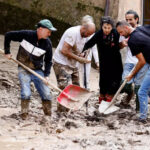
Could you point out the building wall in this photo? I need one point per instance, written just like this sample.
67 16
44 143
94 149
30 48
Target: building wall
125 5
68 11
24 14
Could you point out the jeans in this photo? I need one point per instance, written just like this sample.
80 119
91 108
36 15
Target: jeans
138 78
26 78
143 94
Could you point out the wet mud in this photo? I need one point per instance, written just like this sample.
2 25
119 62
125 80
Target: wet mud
76 130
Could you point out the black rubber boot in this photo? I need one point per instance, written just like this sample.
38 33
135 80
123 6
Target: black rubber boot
47 105
137 99
128 88
24 109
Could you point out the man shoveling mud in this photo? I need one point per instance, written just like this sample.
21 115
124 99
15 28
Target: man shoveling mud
139 43
34 50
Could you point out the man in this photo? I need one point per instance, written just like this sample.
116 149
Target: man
133 19
67 53
85 68
34 50
138 41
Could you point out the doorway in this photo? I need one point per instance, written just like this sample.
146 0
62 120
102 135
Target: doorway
146 12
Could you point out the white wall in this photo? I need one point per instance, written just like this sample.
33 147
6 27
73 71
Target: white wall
125 5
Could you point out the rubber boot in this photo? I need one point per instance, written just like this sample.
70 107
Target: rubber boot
108 98
47 104
24 109
61 108
101 98
137 99
129 90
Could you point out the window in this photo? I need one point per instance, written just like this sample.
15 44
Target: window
146 12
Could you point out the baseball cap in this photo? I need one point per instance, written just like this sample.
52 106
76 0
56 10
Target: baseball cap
45 23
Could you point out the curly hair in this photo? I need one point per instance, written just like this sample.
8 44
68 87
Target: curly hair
108 20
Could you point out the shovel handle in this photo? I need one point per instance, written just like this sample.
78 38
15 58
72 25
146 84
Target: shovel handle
119 90
40 77
33 72
115 96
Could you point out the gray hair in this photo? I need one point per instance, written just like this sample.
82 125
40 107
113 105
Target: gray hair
122 23
86 20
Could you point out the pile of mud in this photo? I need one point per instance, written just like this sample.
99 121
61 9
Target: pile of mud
62 131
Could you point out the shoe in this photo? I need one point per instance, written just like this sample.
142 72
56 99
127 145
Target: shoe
108 98
61 108
24 109
144 121
124 105
101 98
46 105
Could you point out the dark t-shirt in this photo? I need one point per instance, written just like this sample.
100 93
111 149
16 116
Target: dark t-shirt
109 53
139 42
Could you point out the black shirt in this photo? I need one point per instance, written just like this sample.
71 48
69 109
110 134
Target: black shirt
109 53
139 42
31 37
108 47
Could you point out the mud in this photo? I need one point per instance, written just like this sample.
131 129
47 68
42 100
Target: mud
75 131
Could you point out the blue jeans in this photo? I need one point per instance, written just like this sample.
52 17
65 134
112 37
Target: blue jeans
143 94
138 78
26 78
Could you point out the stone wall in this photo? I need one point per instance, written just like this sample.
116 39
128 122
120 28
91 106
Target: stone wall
68 11
24 14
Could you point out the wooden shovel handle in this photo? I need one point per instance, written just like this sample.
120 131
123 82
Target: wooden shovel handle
117 93
40 77
33 72
119 90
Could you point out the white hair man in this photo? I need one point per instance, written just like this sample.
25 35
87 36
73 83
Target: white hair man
67 53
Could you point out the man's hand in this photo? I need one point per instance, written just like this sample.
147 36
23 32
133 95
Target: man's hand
85 53
83 60
97 65
125 42
8 56
46 80
129 77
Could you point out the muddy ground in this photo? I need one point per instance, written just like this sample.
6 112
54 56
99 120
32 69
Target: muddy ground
78 131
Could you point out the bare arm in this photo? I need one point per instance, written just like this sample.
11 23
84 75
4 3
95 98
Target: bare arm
139 65
66 50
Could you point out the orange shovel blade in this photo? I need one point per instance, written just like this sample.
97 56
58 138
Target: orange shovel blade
76 92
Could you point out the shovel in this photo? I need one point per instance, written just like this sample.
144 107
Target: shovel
110 107
71 97
85 85
107 108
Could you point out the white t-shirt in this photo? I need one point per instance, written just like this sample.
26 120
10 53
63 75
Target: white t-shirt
73 37
129 57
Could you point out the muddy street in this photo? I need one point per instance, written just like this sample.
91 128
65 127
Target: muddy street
76 131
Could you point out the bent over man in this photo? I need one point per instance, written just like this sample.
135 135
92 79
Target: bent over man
138 41
67 53
133 19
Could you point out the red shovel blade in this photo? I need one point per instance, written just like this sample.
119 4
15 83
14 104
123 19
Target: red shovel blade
76 92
